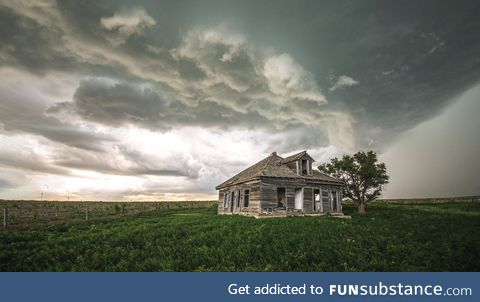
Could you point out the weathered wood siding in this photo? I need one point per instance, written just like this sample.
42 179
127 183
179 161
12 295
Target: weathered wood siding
325 200
221 195
307 199
290 197
263 195
268 196
269 193
254 204
254 198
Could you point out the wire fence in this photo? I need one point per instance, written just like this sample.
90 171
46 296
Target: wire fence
461 199
28 214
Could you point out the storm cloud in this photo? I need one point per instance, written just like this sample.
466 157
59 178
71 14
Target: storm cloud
175 97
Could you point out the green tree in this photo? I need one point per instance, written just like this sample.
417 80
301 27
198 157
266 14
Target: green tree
363 176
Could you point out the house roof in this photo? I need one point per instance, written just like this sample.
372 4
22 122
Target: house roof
296 156
275 166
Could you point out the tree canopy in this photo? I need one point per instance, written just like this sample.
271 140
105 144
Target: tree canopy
363 176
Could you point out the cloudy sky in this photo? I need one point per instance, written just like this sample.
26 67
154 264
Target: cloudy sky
163 100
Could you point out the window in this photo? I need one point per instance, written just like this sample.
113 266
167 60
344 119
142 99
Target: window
304 167
225 200
237 198
317 206
246 198
281 197
334 200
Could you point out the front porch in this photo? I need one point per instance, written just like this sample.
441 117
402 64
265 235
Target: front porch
278 214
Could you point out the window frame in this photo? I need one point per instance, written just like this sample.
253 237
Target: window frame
225 200
246 198
304 167
237 199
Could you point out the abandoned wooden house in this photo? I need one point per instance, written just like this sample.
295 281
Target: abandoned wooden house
281 186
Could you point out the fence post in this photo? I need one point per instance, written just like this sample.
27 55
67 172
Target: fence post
86 213
123 208
5 218
156 206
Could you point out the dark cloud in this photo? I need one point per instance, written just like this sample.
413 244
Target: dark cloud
116 104
122 103
309 74
20 114
26 44
410 59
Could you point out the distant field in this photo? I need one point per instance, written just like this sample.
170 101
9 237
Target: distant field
390 237
431 200
23 214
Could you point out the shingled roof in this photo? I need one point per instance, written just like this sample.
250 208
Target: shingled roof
275 166
296 157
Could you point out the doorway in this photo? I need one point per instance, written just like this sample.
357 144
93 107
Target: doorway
334 201
281 198
299 199
232 202
317 202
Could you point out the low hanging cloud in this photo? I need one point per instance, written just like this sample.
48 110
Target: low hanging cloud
24 111
237 85
248 79
243 87
126 23
29 162
126 161
158 104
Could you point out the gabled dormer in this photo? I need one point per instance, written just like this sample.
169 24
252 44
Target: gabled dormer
301 163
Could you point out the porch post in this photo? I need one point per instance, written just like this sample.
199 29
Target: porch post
339 200
330 199
321 200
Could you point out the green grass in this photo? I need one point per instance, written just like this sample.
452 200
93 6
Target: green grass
390 237
25 214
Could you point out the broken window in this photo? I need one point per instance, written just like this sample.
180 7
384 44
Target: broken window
304 167
237 198
281 197
246 198
225 200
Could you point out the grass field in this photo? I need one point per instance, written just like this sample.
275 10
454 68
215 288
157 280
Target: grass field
26 214
390 237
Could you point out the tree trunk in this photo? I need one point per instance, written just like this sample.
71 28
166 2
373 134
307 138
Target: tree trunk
361 208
